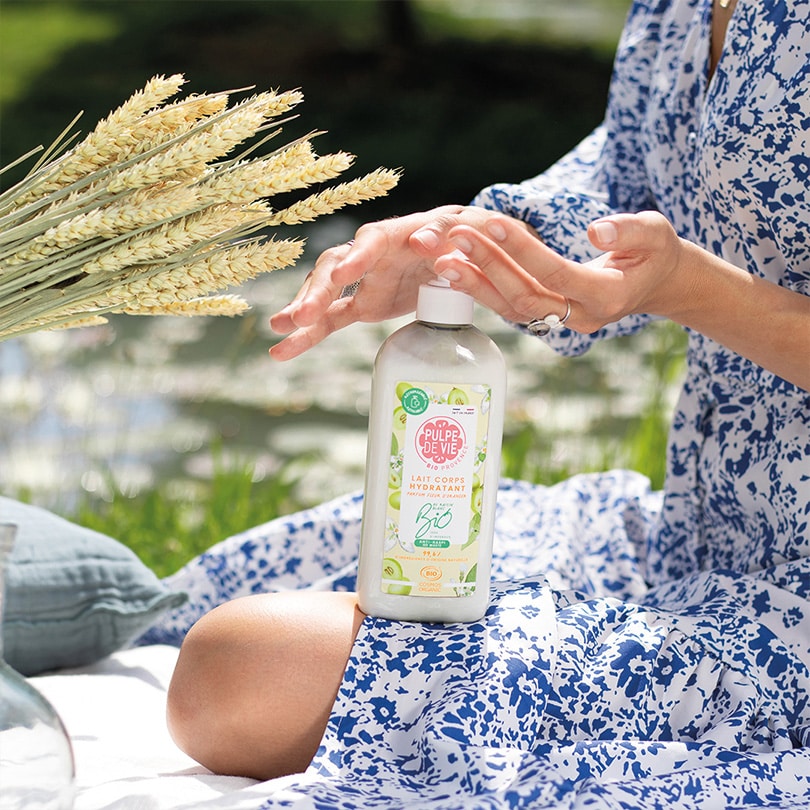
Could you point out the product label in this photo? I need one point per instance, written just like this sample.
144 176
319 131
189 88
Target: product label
435 488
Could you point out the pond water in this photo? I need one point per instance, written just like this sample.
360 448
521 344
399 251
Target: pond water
142 402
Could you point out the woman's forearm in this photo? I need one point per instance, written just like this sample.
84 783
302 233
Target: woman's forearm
756 318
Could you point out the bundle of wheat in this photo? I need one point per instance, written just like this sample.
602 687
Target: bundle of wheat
150 215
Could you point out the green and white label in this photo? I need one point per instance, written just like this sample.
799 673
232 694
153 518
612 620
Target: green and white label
438 454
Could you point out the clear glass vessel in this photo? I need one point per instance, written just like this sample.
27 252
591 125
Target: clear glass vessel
37 770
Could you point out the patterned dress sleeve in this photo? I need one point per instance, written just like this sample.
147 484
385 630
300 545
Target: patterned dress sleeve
604 174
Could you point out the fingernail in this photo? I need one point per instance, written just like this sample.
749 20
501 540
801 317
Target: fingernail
496 230
427 238
450 275
463 244
606 232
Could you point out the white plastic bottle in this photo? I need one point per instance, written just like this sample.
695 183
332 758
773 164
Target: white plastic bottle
432 467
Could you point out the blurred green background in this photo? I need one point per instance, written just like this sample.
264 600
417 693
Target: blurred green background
171 434
460 93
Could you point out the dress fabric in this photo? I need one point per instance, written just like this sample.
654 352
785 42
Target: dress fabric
728 163
642 649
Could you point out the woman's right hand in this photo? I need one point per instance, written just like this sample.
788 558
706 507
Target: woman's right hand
389 259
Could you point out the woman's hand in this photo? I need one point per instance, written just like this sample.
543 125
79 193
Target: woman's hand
646 268
512 272
389 259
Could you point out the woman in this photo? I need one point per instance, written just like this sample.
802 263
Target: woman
669 665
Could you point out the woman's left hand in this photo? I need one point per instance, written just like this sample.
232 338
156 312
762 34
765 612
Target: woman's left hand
512 272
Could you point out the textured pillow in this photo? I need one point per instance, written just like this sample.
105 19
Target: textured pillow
72 595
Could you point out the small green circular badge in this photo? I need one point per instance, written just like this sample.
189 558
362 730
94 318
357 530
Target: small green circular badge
415 401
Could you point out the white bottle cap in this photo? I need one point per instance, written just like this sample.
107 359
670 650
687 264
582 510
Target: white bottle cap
438 302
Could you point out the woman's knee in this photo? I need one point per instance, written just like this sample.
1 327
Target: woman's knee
256 679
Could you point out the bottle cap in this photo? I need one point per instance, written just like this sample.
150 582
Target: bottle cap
438 302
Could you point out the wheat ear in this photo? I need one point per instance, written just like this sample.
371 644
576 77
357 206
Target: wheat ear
373 184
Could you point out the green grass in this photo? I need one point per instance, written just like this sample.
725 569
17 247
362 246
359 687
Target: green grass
166 526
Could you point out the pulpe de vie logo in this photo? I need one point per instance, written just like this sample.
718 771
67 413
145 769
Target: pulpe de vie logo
440 440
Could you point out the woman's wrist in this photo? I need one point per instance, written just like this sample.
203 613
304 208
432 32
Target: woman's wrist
687 297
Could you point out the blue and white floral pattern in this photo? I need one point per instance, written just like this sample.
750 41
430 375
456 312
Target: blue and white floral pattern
728 163
642 650
581 688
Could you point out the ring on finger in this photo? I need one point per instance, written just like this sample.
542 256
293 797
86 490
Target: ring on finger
350 289
542 326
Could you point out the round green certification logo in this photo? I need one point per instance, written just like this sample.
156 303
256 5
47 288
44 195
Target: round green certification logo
415 401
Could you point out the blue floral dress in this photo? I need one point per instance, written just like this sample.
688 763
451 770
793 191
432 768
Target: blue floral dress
642 649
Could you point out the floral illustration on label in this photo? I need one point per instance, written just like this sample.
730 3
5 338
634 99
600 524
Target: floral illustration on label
438 454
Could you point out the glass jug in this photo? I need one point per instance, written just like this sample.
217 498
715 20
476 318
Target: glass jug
36 759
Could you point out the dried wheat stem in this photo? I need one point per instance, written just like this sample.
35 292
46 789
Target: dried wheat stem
319 170
228 305
244 181
266 178
137 210
274 104
67 321
143 216
374 184
172 120
170 238
90 320
105 141
212 273
193 152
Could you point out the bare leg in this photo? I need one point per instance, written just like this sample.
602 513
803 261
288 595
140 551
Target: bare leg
256 680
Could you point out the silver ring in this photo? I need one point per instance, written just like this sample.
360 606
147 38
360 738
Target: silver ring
542 326
350 289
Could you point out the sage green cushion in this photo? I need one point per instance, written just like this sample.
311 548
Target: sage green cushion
73 595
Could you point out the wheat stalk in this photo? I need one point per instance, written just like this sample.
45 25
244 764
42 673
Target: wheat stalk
142 208
227 305
111 136
151 214
332 199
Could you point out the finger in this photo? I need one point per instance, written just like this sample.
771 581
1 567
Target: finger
282 322
304 338
641 265
558 278
465 276
431 238
527 250
319 290
535 302
514 271
619 232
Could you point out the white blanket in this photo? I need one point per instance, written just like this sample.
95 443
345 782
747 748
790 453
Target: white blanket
114 712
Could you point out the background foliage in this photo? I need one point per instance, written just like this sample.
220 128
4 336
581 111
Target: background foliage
457 103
